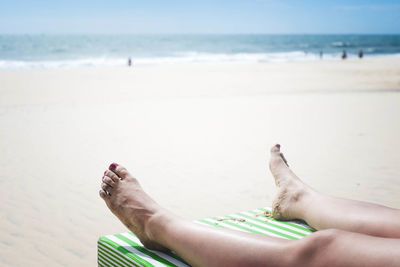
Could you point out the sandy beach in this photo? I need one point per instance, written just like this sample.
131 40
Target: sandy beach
196 136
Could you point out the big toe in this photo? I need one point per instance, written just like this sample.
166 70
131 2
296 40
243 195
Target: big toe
277 159
119 170
276 149
276 154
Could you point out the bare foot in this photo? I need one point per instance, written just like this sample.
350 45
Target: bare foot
291 190
126 199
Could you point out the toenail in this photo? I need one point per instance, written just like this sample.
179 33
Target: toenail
278 145
113 166
105 172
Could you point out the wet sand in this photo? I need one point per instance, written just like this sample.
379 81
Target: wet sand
197 137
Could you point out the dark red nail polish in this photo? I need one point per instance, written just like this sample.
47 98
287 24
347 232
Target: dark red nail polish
105 172
113 166
278 145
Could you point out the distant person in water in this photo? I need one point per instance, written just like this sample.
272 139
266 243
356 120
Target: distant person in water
344 54
360 54
350 233
321 54
129 62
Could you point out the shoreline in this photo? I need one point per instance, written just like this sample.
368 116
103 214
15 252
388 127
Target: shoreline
71 64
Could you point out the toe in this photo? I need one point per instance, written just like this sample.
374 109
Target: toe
106 187
276 154
108 181
103 194
112 175
276 149
277 159
119 170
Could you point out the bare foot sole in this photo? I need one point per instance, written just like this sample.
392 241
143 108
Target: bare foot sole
290 188
126 199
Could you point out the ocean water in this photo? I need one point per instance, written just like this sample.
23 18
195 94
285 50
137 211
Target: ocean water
66 51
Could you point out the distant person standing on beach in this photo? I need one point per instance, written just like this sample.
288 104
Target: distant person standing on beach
344 55
360 54
129 62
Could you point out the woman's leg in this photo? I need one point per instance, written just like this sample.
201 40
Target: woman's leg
297 200
199 245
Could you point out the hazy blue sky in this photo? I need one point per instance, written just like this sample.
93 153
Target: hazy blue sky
202 16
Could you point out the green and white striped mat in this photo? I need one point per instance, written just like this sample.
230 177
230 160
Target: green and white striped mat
125 249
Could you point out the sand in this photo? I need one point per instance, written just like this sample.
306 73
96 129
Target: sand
197 137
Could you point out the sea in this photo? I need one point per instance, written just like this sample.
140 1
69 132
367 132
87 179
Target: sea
69 51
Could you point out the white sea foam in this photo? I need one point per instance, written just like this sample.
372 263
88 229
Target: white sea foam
55 64
179 58
189 57
338 44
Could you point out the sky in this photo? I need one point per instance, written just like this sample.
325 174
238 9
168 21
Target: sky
202 16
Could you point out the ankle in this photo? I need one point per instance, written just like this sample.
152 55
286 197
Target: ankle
156 225
305 198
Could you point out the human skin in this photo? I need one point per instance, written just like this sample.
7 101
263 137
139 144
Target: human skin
352 239
296 200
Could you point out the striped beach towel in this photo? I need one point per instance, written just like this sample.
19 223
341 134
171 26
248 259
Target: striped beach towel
125 249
